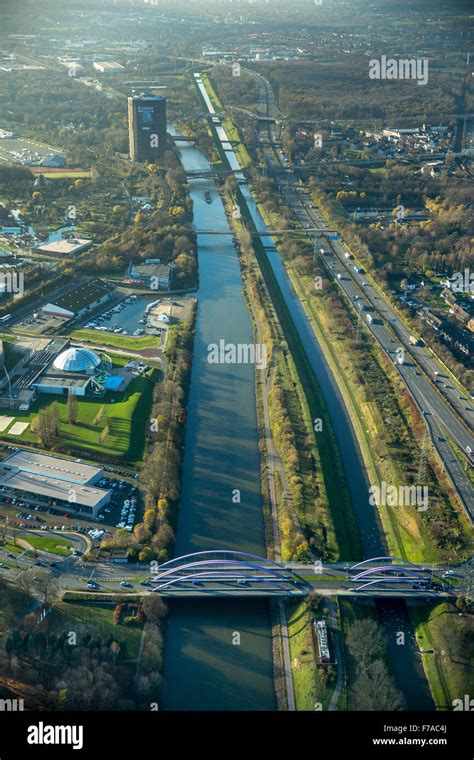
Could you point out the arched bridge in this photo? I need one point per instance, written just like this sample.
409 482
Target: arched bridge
234 573
226 573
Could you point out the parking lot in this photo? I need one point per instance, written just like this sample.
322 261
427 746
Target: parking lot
128 317
122 511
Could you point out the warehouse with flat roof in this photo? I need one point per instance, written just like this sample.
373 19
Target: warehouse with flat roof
55 481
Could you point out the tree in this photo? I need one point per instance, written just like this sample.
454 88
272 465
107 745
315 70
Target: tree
25 582
366 642
104 434
99 415
313 600
71 408
115 649
154 608
54 418
375 689
47 587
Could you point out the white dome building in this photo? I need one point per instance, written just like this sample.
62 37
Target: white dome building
76 359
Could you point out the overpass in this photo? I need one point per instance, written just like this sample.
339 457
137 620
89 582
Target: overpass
213 173
266 233
226 573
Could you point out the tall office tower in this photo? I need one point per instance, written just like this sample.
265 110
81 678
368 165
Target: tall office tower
146 126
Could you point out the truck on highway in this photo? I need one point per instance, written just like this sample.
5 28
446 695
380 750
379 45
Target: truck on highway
370 319
339 276
357 269
415 341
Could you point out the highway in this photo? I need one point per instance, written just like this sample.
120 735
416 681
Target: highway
285 579
445 409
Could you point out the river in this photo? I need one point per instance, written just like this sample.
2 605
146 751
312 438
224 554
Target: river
205 666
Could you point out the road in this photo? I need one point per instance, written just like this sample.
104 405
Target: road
297 579
446 410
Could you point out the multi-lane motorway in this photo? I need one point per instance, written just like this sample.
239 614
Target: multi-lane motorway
447 411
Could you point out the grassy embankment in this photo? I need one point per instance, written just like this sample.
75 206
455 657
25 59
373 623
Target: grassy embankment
135 343
342 515
449 663
309 682
303 509
383 422
407 534
231 130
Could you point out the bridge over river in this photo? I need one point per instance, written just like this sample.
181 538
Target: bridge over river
238 574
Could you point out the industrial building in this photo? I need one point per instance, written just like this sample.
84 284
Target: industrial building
54 481
108 67
147 127
79 302
152 274
60 248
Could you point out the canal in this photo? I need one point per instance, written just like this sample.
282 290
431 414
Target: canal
405 659
218 653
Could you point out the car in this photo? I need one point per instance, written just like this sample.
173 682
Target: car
12 556
126 584
196 583
145 583
2 564
93 585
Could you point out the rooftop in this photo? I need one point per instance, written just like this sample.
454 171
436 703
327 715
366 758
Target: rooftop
44 464
65 247
78 299
52 488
